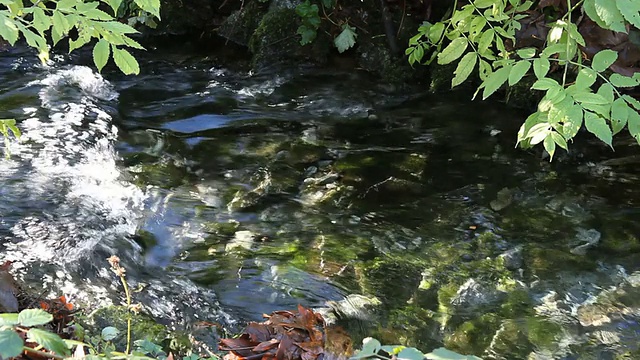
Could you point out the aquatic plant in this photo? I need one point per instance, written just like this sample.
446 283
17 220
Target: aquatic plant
487 35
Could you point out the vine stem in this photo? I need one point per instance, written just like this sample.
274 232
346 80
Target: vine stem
128 296
572 9
566 65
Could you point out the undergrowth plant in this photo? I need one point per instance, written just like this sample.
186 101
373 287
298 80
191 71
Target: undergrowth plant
309 14
27 332
582 94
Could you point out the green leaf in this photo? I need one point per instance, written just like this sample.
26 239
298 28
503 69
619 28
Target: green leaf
307 33
8 319
603 59
518 71
526 53
544 84
586 78
118 27
539 132
572 122
623 81
453 51
589 7
370 347
444 354
549 145
435 32
10 344
598 127
589 98
101 53
109 333
634 125
115 5
83 38
464 69
495 81
559 140
66 5
630 9
150 6
49 341
60 23
575 34
619 115
346 39
8 29
631 101
410 354
125 61
541 67
97 14
606 91
609 13
483 4
41 22
485 40
34 317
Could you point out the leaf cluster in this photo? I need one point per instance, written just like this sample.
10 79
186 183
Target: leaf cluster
476 34
50 21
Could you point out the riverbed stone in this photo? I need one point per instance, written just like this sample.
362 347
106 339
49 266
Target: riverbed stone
473 336
512 259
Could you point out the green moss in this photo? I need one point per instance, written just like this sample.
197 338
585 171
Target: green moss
541 332
517 304
546 263
473 337
445 295
392 280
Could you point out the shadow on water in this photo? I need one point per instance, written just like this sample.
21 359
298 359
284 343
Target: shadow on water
230 194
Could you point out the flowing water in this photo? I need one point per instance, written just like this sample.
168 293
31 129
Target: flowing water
229 194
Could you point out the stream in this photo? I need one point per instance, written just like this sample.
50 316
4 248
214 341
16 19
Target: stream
228 194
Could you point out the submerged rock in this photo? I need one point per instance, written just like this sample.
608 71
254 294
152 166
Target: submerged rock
473 294
588 238
243 239
512 259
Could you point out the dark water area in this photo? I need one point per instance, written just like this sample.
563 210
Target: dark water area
228 194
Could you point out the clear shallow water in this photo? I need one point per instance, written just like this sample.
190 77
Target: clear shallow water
333 186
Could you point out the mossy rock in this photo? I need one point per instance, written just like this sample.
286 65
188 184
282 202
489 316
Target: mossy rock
276 40
376 57
165 174
145 239
517 303
226 229
474 336
392 280
240 25
142 326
